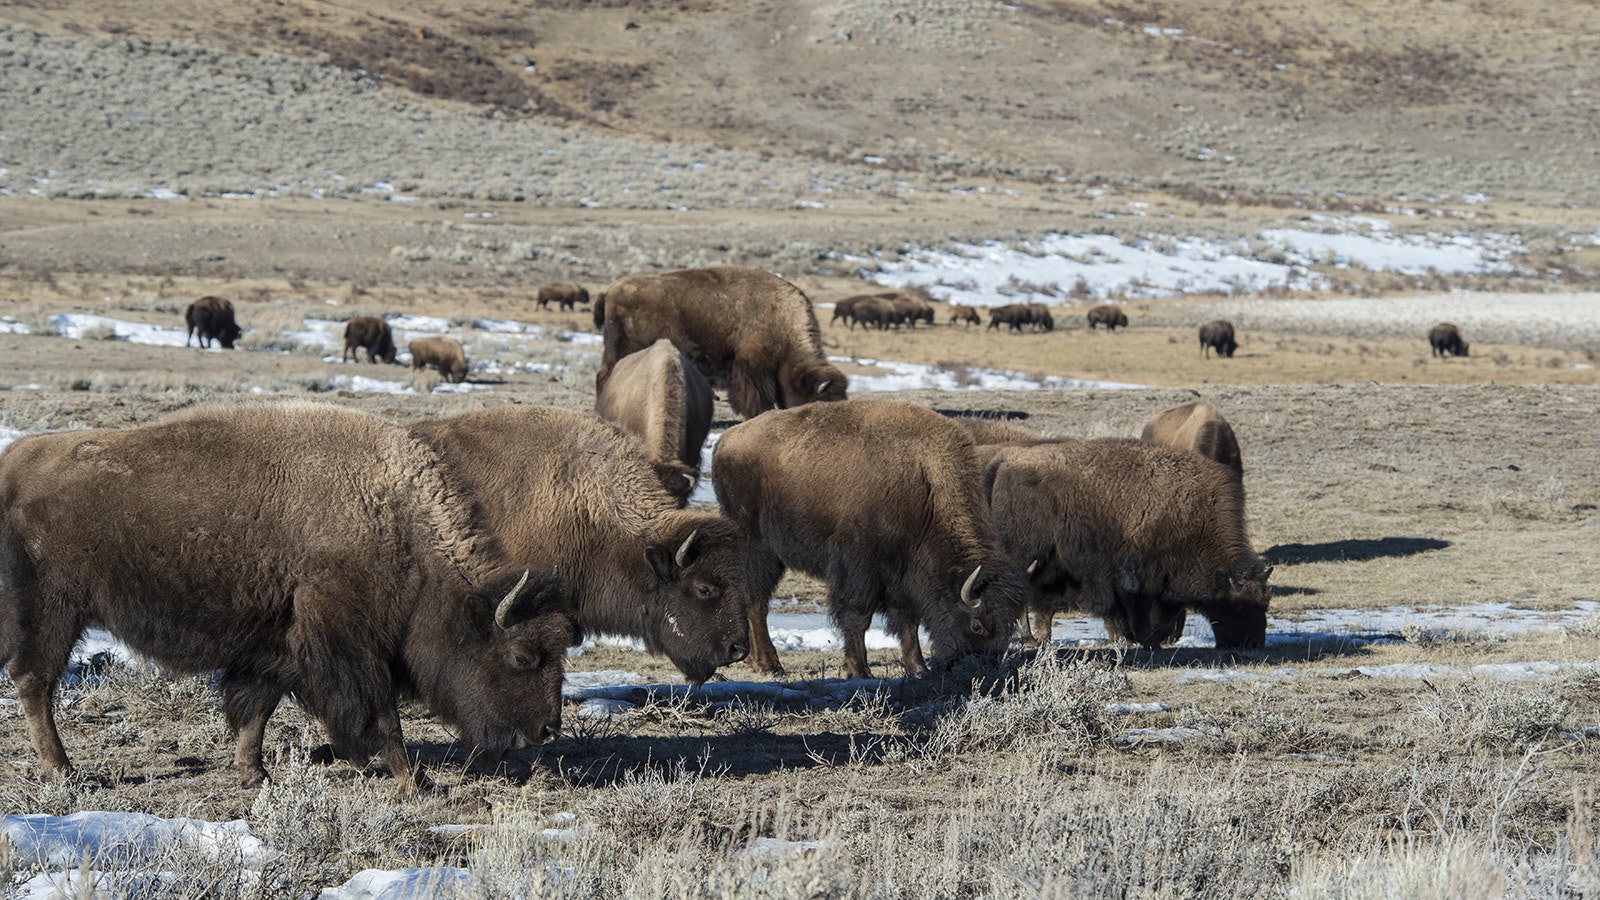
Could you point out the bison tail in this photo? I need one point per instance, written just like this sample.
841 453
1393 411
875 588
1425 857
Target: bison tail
600 311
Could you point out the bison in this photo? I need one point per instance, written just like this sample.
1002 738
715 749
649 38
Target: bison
566 491
565 294
1445 339
1039 316
843 306
1108 314
966 315
444 354
1017 315
212 317
659 397
990 436
880 499
368 333
744 325
1197 427
879 312
1132 532
910 307
323 553
1217 334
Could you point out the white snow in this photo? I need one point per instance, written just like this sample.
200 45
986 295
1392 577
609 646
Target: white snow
75 325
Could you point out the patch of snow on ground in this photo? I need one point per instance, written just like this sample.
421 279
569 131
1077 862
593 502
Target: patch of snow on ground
363 384
126 837
905 376
75 325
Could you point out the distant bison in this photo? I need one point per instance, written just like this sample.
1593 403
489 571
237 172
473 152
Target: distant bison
911 308
368 333
565 294
1198 427
843 306
966 315
1445 339
565 491
881 500
1217 335
658 396
1108 314
444 354
212 317
878 312
1018 315
1132 532
324 553
744 325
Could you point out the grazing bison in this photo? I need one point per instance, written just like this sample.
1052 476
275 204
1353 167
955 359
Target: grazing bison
1017 315
910 307
566 491
565 295
659 397
213 318
990 436
744 325
324 553
1132 532
1039 316
880 499
1108 314
444 354
843 306
966 315
1198 427
368 333
878 312
1217 334
1445 339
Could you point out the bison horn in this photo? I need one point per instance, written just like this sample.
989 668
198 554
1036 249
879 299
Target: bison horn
682 557
1033 567
966 589
823 387
503 612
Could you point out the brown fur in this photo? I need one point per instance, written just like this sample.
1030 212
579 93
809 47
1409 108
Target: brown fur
371 334
843 306
444 354
1132 532
1197 427
213 318
878 312
324 553
881 500
1108 314
1217 334
658 396
1018 315
745 325
1446 340
565 294
966 315
564 490
990 436
911 308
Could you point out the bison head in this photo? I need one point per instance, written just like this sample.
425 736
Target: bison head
1238 611
699 611
499 683
989 598
230 333
810 381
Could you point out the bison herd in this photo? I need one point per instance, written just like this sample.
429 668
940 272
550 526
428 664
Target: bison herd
350 561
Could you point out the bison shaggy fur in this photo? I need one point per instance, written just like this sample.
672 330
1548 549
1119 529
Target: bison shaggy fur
368 333
323 553
444 354
1446 340
566 491
212 317
1132 532
1199 428
658 396
744 325
966 315
881 500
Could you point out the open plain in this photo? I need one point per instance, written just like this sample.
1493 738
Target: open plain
1425 718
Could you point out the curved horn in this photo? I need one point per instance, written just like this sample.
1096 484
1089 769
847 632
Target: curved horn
682 556
823 387
1033 567
966 589
691 479
503 611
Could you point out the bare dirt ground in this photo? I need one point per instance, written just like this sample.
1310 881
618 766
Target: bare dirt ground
318 160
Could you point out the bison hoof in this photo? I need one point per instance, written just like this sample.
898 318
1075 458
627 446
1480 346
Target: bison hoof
253 778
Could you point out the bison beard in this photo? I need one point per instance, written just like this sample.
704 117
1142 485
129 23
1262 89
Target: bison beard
744 325
881 500
326 554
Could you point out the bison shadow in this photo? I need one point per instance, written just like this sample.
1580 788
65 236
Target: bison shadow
1353 550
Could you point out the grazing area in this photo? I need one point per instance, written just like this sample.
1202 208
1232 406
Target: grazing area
325 198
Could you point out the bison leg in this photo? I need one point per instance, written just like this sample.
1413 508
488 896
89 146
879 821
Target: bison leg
408 775
763 656
852 596
248 705
911 650
37 693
